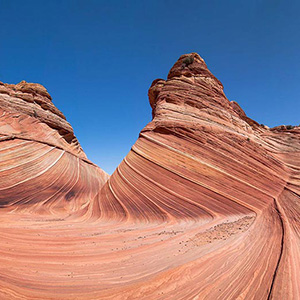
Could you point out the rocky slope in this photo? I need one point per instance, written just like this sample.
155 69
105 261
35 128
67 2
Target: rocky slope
204 206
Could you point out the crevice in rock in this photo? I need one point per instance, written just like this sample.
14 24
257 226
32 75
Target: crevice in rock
281 249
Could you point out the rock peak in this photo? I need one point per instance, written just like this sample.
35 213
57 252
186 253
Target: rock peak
189 65
189 68
34 89
31 107
190 86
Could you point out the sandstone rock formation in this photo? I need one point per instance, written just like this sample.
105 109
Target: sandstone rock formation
42 163
204 206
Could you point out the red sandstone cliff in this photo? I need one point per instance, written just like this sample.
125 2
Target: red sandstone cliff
42 163
204 206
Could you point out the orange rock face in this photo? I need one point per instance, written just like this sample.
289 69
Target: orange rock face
204 206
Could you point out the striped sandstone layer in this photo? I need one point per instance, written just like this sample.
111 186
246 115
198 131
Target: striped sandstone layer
204 206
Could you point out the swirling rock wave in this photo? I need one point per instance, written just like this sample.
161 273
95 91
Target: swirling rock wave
204 206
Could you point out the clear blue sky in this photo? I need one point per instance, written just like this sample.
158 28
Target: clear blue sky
98 58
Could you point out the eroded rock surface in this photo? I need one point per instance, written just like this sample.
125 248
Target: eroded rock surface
42 165
204 206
